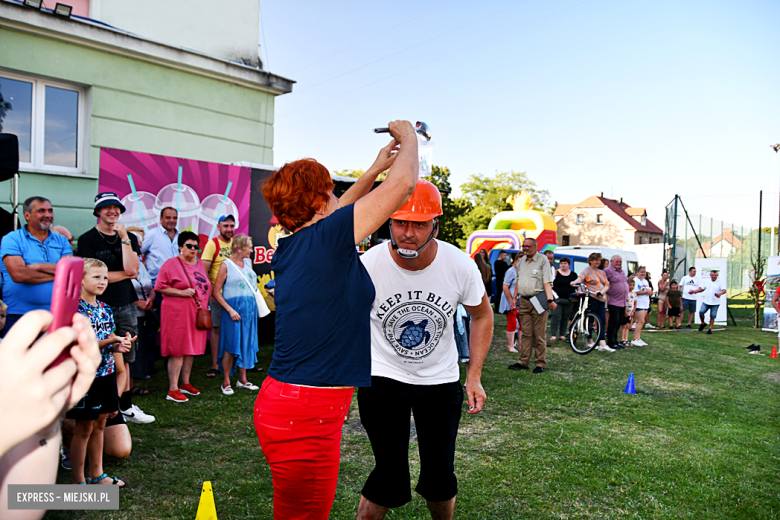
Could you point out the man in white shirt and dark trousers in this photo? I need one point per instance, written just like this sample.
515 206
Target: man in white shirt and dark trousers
712 290
689 286
419 283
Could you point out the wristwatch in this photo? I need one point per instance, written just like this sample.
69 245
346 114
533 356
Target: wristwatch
550 301
127 242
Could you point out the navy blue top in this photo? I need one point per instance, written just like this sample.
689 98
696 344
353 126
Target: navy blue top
323 299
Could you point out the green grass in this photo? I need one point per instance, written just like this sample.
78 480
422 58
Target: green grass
700 439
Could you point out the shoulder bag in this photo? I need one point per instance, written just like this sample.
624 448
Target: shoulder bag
262 308
203 316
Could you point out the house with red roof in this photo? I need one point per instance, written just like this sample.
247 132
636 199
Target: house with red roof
604 222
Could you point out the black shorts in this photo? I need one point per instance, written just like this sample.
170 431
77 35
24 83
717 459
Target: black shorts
119 419
625 320
385 409
100 399
673 311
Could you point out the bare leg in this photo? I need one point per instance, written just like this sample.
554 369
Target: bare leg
117 441
214 344
639 317
367 510
78 449
242 376
712 321
174 369
661 316
510 341
227 364
186 369
95 447
442 510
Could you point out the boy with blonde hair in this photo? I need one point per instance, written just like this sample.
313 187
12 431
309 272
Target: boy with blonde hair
101 400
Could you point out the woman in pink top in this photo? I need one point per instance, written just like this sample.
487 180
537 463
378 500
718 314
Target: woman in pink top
181 280
598 284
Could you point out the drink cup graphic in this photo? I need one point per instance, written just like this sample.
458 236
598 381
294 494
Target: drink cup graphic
141 210
185 199
213 207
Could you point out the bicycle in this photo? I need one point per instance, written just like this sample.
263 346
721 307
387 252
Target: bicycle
585 326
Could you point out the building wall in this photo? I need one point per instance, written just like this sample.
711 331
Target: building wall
612 233
136 105
232 26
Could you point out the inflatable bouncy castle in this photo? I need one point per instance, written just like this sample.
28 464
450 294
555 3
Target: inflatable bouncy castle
508 229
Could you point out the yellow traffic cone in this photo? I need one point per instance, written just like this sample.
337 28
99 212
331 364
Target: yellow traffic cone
207 510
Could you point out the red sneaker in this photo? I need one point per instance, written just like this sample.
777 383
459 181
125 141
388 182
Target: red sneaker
189 389
177 396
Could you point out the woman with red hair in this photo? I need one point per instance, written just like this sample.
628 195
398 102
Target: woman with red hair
323 342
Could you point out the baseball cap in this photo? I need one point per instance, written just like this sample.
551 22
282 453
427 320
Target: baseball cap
225 217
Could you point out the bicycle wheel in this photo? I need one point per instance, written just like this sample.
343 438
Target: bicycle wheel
584 333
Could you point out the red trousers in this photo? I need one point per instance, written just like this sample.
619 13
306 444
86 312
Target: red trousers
299 429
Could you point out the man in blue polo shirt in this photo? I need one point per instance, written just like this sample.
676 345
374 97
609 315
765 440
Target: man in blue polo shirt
30 255
162 242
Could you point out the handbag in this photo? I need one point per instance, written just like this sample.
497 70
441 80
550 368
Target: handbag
203 316
151 318
262 308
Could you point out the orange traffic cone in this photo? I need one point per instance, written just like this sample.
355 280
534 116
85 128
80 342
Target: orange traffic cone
773 355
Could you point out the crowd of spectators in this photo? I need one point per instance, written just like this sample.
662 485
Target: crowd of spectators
141 292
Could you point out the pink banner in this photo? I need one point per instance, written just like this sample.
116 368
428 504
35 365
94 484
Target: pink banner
199 195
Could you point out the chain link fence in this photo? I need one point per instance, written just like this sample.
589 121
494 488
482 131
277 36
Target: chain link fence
690 236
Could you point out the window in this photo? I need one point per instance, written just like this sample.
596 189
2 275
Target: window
656 241
580 218
565 240
599 218
644 220
47 118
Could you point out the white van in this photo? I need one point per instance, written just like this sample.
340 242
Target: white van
578 255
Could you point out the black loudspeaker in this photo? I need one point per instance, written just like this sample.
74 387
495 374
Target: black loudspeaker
9 156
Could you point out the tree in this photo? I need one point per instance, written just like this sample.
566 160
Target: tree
449 229
487 196
349 173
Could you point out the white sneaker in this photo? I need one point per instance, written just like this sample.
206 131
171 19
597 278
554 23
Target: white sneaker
248 385
605 348
137 416
636 343
227 390
642 342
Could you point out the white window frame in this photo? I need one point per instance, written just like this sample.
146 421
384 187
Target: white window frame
580 218
38 126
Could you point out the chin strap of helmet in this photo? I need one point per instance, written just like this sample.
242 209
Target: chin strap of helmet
411 253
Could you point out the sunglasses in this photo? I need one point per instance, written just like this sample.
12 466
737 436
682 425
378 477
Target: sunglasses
191 246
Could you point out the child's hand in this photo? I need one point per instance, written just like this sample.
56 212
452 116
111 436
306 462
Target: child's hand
125 343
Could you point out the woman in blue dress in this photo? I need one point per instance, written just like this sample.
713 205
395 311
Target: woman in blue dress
233 290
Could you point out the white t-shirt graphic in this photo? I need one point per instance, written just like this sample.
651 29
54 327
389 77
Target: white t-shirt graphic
412 337
688 284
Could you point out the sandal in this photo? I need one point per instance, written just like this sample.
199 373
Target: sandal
138 391
104 476
212 373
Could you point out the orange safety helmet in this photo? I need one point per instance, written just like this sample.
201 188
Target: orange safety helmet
422 206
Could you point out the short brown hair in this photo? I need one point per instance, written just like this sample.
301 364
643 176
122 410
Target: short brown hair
296 191
594 256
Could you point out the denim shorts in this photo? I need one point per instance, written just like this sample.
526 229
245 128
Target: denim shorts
688 305
712 308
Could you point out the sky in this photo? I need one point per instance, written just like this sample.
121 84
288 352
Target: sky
639 100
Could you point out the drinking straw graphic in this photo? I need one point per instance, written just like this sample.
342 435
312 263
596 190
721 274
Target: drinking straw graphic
178 191
219 209
138 199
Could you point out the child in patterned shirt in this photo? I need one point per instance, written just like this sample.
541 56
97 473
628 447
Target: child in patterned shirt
91 412
630 308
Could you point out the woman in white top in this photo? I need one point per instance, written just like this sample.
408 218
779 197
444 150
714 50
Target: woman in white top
643 291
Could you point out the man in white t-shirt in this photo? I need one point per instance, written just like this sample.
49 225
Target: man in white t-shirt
419 283
713 290
689 286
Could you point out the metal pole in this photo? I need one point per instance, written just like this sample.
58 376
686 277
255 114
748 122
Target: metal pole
673 270
760 206
16 200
